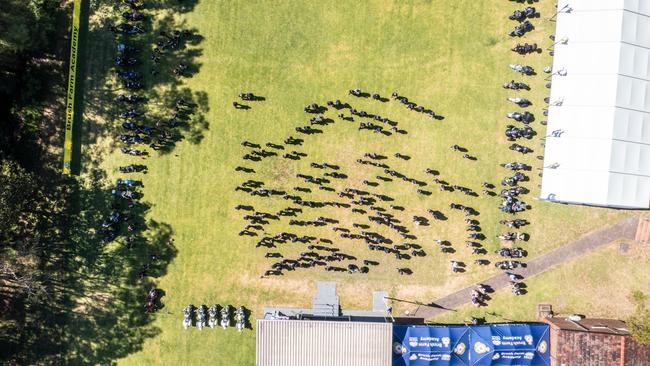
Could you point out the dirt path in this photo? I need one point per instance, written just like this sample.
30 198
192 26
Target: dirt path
622 230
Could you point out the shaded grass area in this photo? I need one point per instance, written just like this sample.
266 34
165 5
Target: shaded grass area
598 284
448 56
98 316
75 162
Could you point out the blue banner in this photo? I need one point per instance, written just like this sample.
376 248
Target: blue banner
431 346
510 344
483 345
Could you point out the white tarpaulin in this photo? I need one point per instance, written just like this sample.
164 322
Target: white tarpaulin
636 6
598 136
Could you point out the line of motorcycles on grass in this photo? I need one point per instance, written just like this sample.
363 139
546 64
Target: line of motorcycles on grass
522 17
512 253
215 315
511 203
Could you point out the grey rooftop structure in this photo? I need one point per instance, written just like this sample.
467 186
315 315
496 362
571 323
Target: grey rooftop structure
323 343
326 335
325 306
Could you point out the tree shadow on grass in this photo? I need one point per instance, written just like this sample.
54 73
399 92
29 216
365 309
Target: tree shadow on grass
190 121
162 87
98 316
177 6
105 318
94 313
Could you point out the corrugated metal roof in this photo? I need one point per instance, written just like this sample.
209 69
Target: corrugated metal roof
592 325
323 343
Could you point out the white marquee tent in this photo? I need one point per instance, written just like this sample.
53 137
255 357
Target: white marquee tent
598 145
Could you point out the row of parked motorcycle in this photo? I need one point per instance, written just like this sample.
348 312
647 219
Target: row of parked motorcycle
215 316
510 195
522 17
511 203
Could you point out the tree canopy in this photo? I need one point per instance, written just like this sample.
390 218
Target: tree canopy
639 322
18 198
33 51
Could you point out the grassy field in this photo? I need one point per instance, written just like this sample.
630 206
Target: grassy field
598 285
448 56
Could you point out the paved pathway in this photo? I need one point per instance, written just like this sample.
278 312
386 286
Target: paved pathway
625 229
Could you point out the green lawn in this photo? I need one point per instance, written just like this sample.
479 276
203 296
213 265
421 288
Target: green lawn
598 284
450 56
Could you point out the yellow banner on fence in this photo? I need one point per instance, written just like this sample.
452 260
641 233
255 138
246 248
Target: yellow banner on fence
72 77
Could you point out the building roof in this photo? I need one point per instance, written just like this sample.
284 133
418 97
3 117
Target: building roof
326 306
591 325
600 104
585 349
595 342
323 343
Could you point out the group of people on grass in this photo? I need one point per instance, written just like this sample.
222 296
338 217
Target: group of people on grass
137 130
328 185
511 204
365 208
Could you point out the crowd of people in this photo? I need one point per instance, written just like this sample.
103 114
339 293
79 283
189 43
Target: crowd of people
512 191
368 207
320 252
366 204
375 207
139 132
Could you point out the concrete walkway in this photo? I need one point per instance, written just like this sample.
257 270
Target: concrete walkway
625 229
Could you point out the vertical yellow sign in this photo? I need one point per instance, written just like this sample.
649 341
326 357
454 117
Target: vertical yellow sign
72 77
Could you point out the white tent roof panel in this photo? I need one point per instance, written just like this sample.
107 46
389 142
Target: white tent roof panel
588 58
633 94
559 185
634 61
636 29
631 126
602 156
637 6
604 189
597 26
629 190
585 90
578 122
603 58
614 26
602 90
578 153
628 158
600 123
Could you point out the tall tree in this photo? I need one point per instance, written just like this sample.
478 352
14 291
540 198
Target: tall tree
33 51
639 322
27 41
19 199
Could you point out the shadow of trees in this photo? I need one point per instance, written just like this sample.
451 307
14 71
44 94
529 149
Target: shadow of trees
157 60
105 316
94 312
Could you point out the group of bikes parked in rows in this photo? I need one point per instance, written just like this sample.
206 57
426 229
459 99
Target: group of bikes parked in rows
214 316
510 195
